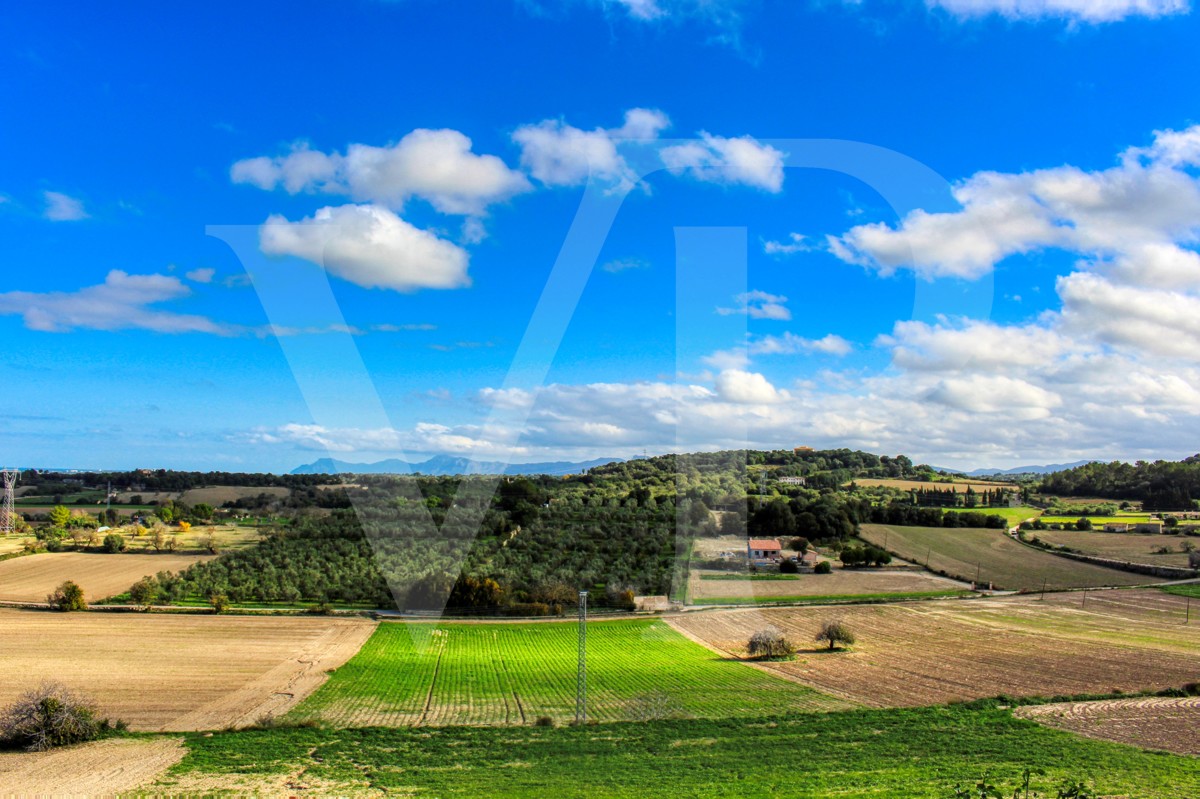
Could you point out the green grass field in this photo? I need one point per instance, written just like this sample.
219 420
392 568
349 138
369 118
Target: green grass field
421 674
890 754
1098 521
994 556
1013 516
1192 590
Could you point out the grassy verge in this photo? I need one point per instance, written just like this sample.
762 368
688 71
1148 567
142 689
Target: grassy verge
882 754
829 598
1192 590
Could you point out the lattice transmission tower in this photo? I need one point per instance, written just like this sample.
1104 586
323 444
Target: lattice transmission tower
8 512
581 677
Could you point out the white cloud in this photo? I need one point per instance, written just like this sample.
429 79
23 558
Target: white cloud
624 264
973 345
795 243
121 302
728 161
204 275
369 246
1147 200
787 344
1090 11
63 208
747 388
558 154
759 305
438 166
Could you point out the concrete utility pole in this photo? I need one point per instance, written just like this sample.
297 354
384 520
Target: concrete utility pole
581 676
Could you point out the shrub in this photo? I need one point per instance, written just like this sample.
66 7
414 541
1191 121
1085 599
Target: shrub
114 542
823 567
789 567
219 602
770 644
67 597
144 592
834 633
319 609
544 721
50 716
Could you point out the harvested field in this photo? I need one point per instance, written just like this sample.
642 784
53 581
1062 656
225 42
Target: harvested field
13 543
1165 724
842 582
934 652
213 495
992 554
101 768
176 672
419 674
1132 547
99 574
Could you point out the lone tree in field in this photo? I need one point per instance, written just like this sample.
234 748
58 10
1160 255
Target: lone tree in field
53 715
770 644
834 633
68 596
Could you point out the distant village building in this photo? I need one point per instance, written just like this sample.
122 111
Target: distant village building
763 549
793 481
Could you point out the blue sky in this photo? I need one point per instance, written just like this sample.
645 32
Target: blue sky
390 185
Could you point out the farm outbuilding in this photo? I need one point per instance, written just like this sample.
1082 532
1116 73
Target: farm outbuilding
768 549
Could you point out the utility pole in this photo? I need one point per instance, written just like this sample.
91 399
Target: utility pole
1187 618
1044 589
581 676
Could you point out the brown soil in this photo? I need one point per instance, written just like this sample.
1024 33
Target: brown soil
164 672
1171 725
100 575
933 652
102 768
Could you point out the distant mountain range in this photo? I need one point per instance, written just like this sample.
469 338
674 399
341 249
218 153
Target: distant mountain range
1043 469
447 465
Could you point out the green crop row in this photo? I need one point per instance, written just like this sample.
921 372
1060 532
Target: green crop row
422 674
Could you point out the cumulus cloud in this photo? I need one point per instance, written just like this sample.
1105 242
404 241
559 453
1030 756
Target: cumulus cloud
759 305
121 302
62 207
747 388
1147 200
558 154
1089 11
737 161
438 166
369 246
624 264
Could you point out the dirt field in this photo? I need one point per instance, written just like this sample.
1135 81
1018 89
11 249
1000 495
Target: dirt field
13 543
933 652
164 672
101 575
1170 725
102 768
213 495
1133 547
842 582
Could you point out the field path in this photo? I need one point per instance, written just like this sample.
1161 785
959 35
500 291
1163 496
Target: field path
102 768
